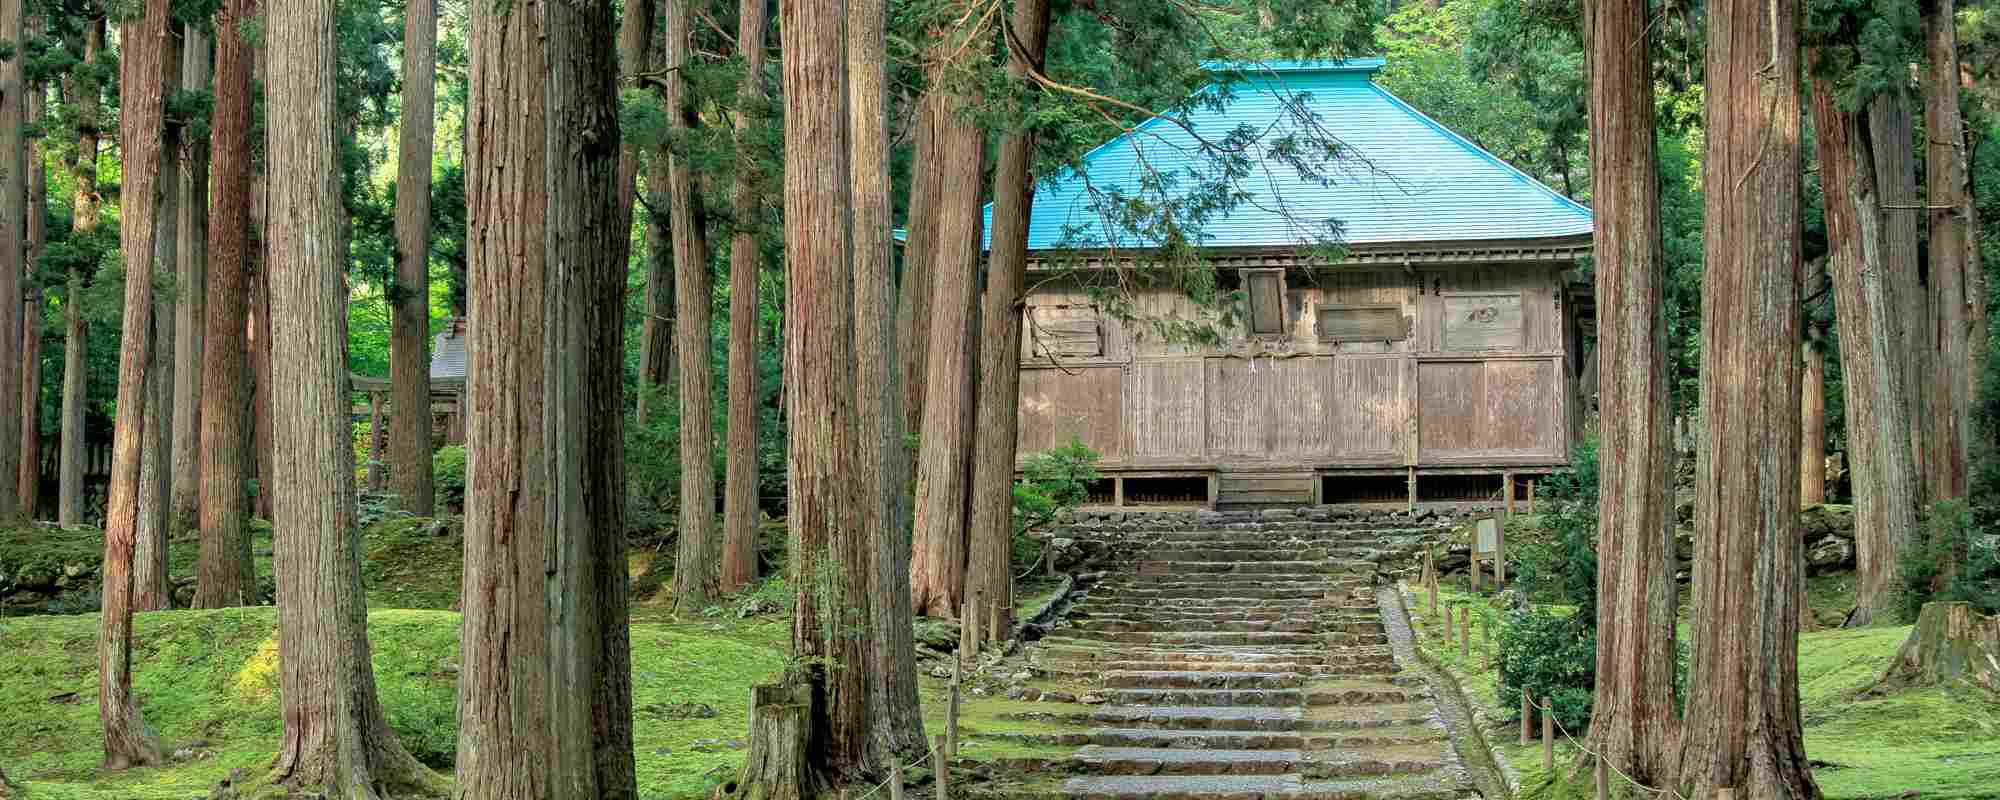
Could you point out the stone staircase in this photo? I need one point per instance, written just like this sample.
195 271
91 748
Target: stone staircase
1242 657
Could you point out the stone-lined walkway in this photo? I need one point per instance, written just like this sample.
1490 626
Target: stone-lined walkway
1245 657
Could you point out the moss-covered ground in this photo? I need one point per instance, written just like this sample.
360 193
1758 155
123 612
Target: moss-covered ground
1929 742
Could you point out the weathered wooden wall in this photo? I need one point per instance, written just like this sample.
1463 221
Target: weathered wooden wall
1472 368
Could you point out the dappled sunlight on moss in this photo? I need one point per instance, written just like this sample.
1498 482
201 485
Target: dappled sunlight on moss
257 679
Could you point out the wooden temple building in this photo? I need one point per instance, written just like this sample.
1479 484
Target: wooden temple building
1434 356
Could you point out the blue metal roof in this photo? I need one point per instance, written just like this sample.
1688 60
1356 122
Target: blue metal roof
1401 177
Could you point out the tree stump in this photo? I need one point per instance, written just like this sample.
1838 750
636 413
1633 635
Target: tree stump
1951 642
778 767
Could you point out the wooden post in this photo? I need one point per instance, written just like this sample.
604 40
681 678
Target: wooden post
1450 632
1500 556
1485 640
949 742
1475 574
942 755
1507 484
1603 780
1464 633
1430 566
1118 491
994 627
1531 495
1049 560
1527 718
1413 488
1434 594
1548 733
896 779
968 634
376 477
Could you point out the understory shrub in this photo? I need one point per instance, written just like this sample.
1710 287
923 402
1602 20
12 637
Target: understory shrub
448 476
1548 655
1949 535
1052 482
1561 565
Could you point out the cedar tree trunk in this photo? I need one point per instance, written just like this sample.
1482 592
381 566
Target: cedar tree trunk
86 94
1633 723
1886 487
990 548
913 306
545 696
656 333
740 484
938 550
262 387
32 311
335 736
700 550
1957 346
410 323
128 742
191 303
13 216
151 589
1891 130
1742 729
226 575
1812 419
897 720
1951 642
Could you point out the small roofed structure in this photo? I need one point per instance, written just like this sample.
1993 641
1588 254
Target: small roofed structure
447 379
1433 355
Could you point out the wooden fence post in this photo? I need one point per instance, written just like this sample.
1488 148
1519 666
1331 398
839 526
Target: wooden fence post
1527 718
1507 484
1548 733
994 627
942 755
1485 640
950 739
1603 780
1450 632
1475 574
1465 633
896 779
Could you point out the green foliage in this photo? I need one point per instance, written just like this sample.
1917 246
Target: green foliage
1548 655
1562 565
448 476
1948 540
1052 482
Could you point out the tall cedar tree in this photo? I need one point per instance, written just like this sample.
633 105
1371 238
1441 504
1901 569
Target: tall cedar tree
989 572
261 432
336 737
1742 729
410 324
740 484
913 304
151 589
656 342
1887 489
635 41
1634 717
128 742
86 91
1812 423
31 318
830 563
545 703
13 216
1959 339
700 553
191 302
226 577
1891 128
896 719
938 549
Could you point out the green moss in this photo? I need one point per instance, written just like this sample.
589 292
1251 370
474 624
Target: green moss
412 562
35 553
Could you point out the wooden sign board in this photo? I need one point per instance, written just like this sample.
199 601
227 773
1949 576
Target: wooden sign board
1489 543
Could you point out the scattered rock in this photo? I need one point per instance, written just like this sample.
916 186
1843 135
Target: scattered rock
1093 699
1831 553
681 710
979 691
1023 675
757 607
1058 697
940 671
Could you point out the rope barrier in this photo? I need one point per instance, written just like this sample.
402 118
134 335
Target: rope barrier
895 775
1549 709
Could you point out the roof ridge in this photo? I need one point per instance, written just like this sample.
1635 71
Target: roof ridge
1482 152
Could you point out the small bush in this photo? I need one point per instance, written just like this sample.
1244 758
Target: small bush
448 476
1563 566
1052 482
1552 656
1949 535
425 719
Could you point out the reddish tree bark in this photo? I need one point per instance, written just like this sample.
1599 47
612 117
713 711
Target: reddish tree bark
896 720
913 306
86 95
13 216
545 696
938 550
1890 136
226 575
1886 486
700 553
191 306
261 383
128 742
32 311
1742 729
1633 721
336 737
989 572
410 324
740 483
1957 343
1812 427
151 588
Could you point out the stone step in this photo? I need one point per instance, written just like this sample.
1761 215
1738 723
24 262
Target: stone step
1168 761
1097 601
1212 592
1225 638
1094 613
1093 669
1206 697
1066 647
1326 720
1245 787
1201 679
1361 741
1188 550
1127 626
1252 567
